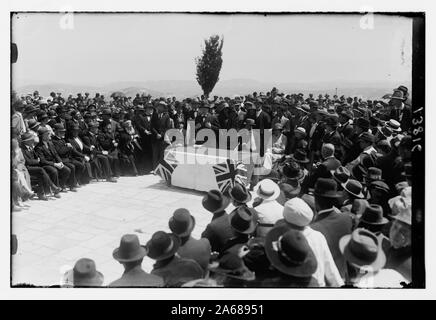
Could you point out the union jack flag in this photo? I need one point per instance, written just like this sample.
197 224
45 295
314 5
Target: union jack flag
225 174
165 170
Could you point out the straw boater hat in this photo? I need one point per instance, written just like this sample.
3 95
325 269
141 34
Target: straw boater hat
362 249
267 189
289 252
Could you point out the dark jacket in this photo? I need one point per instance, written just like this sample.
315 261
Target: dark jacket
30 156
178 271
218 232
137 277
334 224
263 121
47 154
65 152
198 250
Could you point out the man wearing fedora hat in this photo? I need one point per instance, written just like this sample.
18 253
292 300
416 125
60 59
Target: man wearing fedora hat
52 162
142 121
372 219
66 151
329 220
365 261
219 230
84 274
297 215
243 222
131 254
160 123
175 270
400 112
181 224
92 144
291 257
239 194
269 211
330 163
36 170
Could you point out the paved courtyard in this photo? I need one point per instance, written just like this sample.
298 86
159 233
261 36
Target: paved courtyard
53 234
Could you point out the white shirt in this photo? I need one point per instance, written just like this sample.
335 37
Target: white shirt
269 212
385 278
326 273
79 142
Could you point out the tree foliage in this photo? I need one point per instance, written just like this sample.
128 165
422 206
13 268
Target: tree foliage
209 64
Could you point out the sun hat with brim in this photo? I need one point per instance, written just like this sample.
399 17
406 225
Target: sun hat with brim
401 209
354 188
362 249
373 215
292 170
326 188
367 137
214 201
27 136
232 266
182 222
32 124
242 219
267 189
289 252
30 109
239 193
129 250
162 245
341 174
84 274
297 212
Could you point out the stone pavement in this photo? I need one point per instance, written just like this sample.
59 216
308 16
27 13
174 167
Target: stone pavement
89 223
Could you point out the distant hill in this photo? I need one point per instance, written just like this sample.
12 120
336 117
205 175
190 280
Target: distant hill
188 88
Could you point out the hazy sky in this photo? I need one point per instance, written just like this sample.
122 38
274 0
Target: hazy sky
103 48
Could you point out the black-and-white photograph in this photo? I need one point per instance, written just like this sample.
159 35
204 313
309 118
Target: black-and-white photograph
215 150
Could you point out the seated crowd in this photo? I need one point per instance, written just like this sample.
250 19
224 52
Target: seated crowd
332 207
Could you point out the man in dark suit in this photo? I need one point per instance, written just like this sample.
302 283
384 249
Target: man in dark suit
52 162
83 154
172 268
181 224
330 163
35 169
332 135
90 140
65 151
160 124
401 112
219 230
143 125
131 254
330 221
